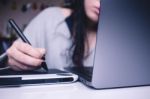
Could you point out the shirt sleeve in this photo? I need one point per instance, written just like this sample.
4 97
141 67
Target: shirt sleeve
35 31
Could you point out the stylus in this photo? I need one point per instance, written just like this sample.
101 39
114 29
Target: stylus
24 39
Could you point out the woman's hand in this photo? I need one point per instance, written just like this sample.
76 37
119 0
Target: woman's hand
22 56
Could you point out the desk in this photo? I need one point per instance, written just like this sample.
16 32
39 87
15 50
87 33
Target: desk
73 91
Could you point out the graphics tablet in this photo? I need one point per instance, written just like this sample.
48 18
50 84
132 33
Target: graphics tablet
9 77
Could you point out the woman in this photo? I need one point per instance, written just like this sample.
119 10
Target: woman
66 36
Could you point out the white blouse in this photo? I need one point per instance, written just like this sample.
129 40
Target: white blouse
49 30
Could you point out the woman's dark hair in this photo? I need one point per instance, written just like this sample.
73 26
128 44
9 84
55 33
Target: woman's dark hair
78 33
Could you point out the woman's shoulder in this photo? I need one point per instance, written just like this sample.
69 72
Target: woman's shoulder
54 11
66 12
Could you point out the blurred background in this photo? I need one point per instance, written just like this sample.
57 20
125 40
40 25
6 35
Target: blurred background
22 11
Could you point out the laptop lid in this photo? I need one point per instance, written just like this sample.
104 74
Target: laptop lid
122 56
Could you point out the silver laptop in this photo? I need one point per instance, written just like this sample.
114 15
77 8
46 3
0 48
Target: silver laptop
122 56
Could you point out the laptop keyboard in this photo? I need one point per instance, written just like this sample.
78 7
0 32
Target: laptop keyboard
84 72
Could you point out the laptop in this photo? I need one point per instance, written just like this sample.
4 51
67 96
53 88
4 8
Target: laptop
122 53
